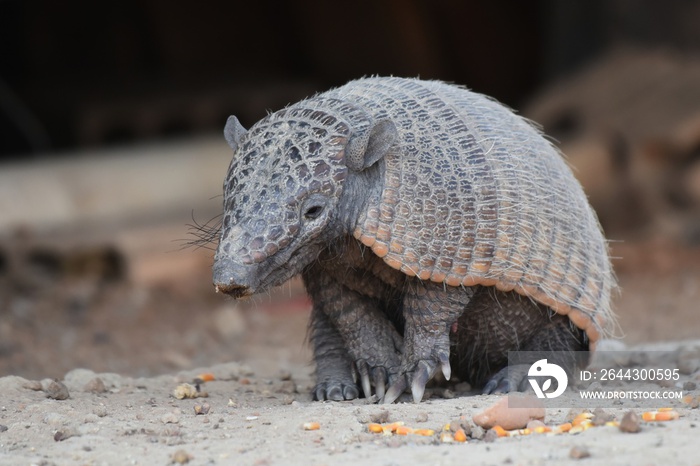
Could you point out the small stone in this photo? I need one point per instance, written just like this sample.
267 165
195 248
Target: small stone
34 385
461 424
630 422
422 417
3 428
201 409
95 385
579 452
285 375
490 436
534 424
600 417
690 385
57 391
448 394
65 434
185 390
477 433
379 418
181 457
100 411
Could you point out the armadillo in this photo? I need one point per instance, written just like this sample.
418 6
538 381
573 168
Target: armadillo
433 228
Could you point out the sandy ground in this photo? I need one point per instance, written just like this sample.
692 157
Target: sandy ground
138 322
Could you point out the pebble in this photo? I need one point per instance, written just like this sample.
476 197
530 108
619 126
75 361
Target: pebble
95 385
600 417
202 409
379 418
535 423
3 428
579 452
422 416
477 432
490 436
57 391
65 434
630 423
34 385
181 457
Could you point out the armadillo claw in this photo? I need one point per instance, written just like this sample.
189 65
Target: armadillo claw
363 370
380 378
335 392
376 377
395 390
424 372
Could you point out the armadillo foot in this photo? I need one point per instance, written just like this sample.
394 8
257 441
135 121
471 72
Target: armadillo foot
508 379
335 391
419 376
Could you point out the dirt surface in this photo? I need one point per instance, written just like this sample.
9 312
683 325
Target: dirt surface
130 311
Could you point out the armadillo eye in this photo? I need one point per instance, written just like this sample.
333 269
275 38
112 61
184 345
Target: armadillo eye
313 212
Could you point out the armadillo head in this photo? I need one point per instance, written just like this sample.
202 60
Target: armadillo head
282 196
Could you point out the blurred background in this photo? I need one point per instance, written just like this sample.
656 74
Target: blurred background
111 117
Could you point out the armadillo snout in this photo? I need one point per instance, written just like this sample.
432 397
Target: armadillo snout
230 278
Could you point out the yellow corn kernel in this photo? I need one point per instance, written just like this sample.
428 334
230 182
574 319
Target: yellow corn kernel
662 416
564 427
460 436
403 430
393 426
375 428
312 426
500 431
424 432
446 437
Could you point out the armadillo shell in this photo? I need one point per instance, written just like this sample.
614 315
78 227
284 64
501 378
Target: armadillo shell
474 195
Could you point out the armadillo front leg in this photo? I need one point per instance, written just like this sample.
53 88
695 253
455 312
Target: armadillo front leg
346 318
430 310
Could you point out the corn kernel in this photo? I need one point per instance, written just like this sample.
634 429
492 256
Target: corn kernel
312 426
460 436
564 427
375 428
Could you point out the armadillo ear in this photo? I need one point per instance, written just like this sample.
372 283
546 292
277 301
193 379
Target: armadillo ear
233 131
366 148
